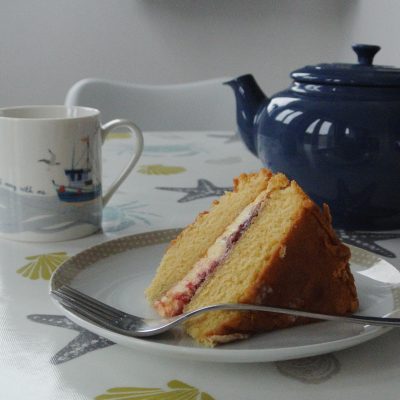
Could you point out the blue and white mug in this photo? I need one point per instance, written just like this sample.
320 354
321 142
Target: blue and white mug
50 171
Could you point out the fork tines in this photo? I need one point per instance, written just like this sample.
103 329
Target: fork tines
87 306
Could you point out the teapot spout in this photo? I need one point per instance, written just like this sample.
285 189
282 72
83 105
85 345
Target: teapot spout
249 98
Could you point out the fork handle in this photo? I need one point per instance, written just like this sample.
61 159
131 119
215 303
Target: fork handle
357 319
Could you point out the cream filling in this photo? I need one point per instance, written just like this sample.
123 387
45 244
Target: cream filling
176 298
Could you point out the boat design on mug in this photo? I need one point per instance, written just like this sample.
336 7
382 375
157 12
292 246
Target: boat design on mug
82 184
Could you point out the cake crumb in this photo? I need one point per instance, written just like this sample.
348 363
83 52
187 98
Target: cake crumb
263 292
220 339
282 252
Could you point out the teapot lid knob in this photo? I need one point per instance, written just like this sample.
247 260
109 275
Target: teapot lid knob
365 53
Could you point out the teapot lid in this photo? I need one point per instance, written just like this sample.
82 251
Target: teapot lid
361 74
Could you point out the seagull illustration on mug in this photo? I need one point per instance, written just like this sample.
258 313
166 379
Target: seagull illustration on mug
51 161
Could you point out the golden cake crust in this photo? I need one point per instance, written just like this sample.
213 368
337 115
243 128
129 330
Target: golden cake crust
304 265
294 279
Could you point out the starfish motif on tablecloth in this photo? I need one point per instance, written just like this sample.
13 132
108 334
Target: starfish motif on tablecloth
367 240
229 138
84 343
203 189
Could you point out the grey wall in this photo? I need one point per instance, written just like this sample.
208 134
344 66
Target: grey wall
377 22
47 45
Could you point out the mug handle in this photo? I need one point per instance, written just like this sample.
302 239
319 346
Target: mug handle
105 130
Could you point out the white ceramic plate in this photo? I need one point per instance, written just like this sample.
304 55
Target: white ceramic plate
117 272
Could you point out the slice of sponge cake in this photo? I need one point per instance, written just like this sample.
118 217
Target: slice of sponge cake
194 241
264 243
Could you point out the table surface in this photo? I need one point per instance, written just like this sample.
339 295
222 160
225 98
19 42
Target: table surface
43 355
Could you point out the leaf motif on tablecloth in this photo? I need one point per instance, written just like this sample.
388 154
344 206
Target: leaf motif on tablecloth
177 150
118 217
224 161
178 390
310 369
42 266
119 135
159 169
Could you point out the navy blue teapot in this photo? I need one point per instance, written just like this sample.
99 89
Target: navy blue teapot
336 131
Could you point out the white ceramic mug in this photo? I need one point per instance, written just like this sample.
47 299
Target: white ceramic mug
50 171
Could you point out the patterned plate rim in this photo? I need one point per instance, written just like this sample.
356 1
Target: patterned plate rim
74 265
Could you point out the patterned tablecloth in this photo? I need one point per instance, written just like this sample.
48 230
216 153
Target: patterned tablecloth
43 355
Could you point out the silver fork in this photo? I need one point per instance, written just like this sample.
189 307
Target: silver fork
121 322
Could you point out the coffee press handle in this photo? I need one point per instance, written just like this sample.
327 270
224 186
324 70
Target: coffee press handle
105 130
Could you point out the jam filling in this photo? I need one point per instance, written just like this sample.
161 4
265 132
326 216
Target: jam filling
175 299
